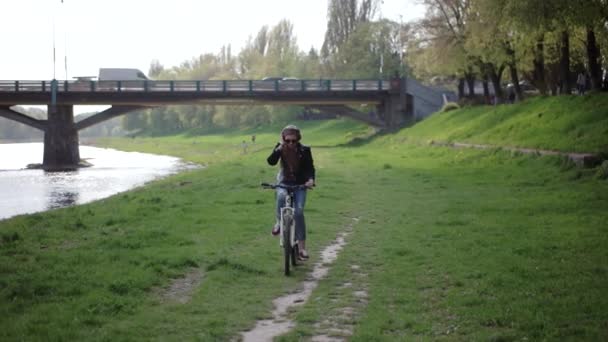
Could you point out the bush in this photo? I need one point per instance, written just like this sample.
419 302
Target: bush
602 171
449 106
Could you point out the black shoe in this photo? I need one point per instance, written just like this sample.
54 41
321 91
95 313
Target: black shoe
276 230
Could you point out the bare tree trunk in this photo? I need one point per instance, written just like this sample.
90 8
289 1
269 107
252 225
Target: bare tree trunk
553 90
460 88
470 83
552 73
593 55
483 73
515 80
486 89
495 76
539 66
514 77
566 85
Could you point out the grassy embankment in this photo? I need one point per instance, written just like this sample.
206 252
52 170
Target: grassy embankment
450 244
568 124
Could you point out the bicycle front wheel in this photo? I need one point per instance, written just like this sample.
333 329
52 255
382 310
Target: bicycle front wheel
294 255
287 248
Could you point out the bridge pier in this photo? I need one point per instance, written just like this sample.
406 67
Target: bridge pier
394 109
61 151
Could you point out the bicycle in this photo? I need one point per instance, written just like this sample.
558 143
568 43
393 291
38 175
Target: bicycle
287 225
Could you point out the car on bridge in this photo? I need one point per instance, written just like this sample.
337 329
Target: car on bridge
81 83
281 83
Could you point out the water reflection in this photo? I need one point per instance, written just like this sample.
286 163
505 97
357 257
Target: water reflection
60 189
27 191
58 199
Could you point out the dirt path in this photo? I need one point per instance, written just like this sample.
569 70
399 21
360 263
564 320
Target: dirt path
266 330
339 322
182 289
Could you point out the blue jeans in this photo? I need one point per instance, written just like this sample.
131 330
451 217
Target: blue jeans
299 202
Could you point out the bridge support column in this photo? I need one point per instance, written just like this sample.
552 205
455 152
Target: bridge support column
61 151
394 109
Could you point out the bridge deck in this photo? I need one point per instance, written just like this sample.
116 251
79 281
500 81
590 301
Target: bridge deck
164 92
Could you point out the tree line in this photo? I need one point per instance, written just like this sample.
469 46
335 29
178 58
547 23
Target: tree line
16 131
356 45
545 42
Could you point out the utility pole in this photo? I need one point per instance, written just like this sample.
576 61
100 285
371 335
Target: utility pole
401 71
54 54
65 44
65 52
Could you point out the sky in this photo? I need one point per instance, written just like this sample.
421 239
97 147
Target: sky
93 34
97 34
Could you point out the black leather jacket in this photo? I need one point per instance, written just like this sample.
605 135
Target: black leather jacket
307 167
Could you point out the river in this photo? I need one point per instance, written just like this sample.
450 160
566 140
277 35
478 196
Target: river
25 190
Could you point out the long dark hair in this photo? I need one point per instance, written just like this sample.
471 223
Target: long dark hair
291 129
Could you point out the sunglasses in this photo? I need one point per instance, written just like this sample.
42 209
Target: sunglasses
290 141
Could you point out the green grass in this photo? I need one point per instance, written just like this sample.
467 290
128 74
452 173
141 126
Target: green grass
449 245
227 145
565 123
472 246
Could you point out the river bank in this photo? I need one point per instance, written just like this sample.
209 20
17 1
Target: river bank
27 190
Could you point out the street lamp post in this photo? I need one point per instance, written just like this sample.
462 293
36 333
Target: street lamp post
401 71
65 47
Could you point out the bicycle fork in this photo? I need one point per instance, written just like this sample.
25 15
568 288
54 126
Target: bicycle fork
288 217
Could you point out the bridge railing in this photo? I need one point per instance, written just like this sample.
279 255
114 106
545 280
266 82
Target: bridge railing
197 86
14 86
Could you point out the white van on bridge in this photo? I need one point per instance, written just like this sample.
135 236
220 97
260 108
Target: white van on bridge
121 74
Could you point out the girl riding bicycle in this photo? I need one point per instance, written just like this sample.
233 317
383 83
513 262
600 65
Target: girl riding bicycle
297 168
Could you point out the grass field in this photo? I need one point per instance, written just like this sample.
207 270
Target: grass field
445 244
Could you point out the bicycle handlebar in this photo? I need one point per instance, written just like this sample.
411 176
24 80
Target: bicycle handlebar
286 187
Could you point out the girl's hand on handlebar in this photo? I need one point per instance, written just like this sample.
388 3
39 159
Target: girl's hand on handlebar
310 183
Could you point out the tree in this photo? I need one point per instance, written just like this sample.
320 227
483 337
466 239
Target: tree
530 21
592 17
133 121
440 45
489 40
156 69
371 51
282 52
252 55
344 16
310 65
260 44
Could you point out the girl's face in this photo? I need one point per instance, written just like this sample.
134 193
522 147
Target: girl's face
290 140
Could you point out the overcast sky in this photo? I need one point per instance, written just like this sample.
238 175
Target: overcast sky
131 33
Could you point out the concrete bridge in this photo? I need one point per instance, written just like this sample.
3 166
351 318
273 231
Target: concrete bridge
394 104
